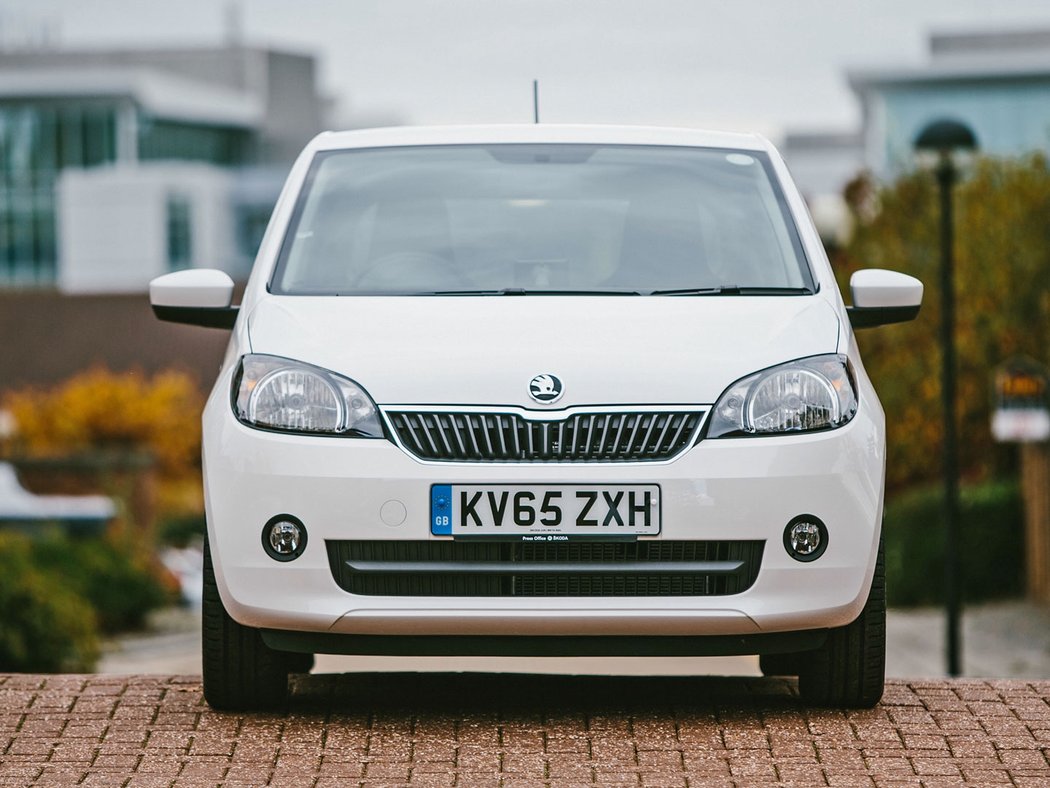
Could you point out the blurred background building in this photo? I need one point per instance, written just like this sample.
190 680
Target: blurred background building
117 166
121 165
996 83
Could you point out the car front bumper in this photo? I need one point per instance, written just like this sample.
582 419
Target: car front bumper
726 489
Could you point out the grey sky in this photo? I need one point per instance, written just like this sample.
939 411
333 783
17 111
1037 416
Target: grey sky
759 65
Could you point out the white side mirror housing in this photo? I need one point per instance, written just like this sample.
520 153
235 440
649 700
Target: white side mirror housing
881 297
197 296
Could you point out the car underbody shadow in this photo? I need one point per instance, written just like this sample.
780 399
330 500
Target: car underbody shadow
522 694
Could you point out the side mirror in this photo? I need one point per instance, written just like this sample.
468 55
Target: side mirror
881 297
197 296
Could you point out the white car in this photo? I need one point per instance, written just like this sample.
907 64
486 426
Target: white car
542 390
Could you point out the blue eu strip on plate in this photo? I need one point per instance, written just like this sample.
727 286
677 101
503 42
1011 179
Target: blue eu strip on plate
441 509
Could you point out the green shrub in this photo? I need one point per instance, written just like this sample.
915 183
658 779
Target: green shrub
181 530
45 627
119 579
991 544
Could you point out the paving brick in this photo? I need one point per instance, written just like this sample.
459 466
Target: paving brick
521 738
563 766
849 780
554 732
605 749
935 767
528 764
474 759
387 771
979 775
925 742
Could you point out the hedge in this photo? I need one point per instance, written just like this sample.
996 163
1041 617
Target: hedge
991 544
119 578
46 627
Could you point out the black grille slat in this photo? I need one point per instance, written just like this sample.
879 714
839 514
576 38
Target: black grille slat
409 427
472 434
442 428
588 441
634 433
718 568
583 437
663 433
425 428
515 431
649 432
501 436
454 421
486 433
683 420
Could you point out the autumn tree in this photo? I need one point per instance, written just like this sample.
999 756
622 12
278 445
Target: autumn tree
1002 274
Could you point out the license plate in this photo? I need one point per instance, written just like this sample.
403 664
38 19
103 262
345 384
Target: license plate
552 512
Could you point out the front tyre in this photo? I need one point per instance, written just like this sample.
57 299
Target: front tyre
849 670
241 672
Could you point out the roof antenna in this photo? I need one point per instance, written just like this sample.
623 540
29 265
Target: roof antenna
535 101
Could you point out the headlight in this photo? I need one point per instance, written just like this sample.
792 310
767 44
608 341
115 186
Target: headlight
280 394
809 394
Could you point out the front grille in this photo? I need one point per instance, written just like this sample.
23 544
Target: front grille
545 569
583 437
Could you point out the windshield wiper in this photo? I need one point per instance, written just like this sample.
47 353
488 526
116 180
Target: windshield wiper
520 291
735 290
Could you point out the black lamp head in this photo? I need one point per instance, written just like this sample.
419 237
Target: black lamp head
946 135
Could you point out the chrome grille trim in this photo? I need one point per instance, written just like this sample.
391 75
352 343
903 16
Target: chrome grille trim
516 436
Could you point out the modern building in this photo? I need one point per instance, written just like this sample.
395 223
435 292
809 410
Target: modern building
120 165
997 83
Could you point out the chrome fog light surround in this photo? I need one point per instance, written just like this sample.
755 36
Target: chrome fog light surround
284 537
805 538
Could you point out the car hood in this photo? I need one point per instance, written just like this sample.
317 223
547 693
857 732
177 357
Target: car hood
485 350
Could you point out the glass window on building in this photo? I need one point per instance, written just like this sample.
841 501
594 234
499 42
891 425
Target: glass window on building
37 141
180 232
169 140
251 226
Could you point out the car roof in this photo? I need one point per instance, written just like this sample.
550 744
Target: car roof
536 133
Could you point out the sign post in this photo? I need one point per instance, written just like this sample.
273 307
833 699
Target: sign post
1022 410
1022 415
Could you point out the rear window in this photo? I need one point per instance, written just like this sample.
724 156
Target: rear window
539 218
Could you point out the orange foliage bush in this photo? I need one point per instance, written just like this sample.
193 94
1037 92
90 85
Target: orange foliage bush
99 410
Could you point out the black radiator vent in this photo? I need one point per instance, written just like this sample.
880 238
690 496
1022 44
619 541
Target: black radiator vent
545 569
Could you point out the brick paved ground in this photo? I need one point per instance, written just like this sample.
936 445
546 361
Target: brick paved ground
491 730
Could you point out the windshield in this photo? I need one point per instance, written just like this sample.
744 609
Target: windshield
544 218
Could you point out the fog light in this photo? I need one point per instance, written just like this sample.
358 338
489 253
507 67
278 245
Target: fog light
284 537
805 538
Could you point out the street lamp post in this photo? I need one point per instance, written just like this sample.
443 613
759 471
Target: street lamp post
944 138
